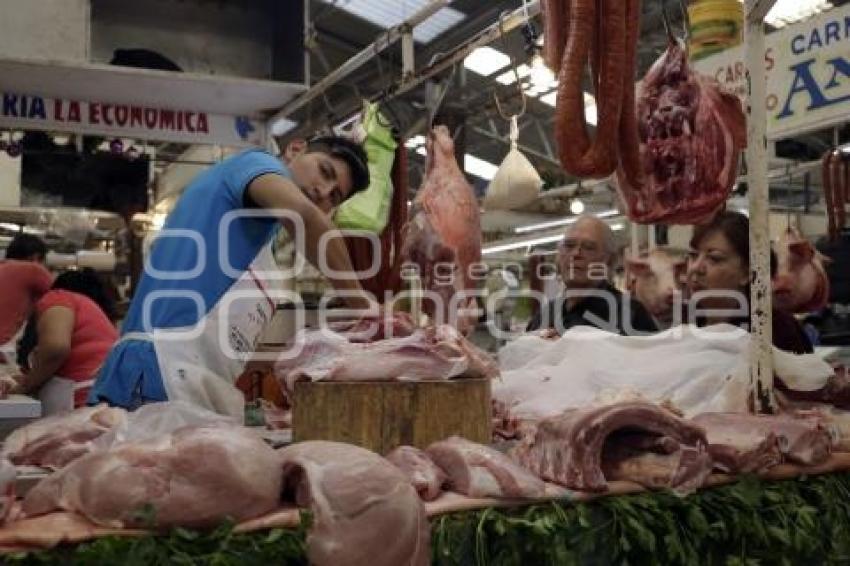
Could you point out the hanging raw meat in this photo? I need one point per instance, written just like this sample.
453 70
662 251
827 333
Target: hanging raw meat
691 137
443 236
836 189
800 284
601 34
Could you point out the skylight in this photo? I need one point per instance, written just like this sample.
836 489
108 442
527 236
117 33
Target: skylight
387 14
507 78
480 168
589 105
786 12
485 61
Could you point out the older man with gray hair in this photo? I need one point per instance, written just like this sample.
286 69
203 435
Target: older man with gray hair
586 259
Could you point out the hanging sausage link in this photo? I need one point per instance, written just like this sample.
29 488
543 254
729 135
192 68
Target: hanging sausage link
603 34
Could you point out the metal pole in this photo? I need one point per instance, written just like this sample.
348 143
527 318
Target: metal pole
510 22
368 53
761 316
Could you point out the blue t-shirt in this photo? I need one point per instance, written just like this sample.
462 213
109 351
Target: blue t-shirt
196 258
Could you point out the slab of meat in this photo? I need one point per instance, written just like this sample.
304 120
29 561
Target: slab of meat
684 468
735 446
364 509
55 441
568 449
476 470
443 235
423 473
691 137
195 477
655 280
801 440
432 353
800 284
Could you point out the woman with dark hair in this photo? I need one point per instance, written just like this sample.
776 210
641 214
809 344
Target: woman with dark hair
67 340
718 279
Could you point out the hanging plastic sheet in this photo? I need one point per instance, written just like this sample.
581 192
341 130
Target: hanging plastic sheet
369 210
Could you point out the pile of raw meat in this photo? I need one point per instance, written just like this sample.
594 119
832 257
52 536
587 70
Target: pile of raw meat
158 472
382 349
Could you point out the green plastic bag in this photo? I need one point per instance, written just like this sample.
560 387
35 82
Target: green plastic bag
369 210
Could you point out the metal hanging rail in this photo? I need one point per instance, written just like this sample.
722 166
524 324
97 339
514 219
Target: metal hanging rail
367 54
761 315
411 78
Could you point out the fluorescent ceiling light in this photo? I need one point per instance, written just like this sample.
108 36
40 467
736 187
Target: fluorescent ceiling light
415 141
10 226
422 151
617 226
589 105
478 167
562 222
550 98
387 14
522 244
786 12
485 61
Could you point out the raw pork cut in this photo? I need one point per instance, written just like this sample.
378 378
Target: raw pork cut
735 446
835 392
423 473
432 353
684 468
656 282
802 440
476 470
568 449
443 235
800 284
55 441
364 509
691 137
696 370
374 328
195 477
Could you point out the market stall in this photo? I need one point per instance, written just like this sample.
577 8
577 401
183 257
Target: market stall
393 438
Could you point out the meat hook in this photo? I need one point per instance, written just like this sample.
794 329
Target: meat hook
517 82
665 19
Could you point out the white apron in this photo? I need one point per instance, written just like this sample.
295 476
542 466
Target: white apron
57 395
200 370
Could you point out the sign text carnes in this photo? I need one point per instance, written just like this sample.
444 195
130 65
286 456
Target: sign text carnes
808 73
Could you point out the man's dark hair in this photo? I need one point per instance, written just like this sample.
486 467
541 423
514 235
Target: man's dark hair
350 152
25 246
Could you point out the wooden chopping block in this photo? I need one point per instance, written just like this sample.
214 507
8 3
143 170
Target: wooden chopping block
382 415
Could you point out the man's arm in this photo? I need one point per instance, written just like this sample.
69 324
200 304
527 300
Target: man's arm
272 191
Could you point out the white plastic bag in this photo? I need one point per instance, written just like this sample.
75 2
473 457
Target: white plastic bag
517 182
159 419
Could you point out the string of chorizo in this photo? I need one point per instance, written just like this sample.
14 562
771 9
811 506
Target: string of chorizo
579 155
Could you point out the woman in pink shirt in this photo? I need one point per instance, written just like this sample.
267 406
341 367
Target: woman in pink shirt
67 341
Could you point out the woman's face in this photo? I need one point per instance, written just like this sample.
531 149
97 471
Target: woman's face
715 266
